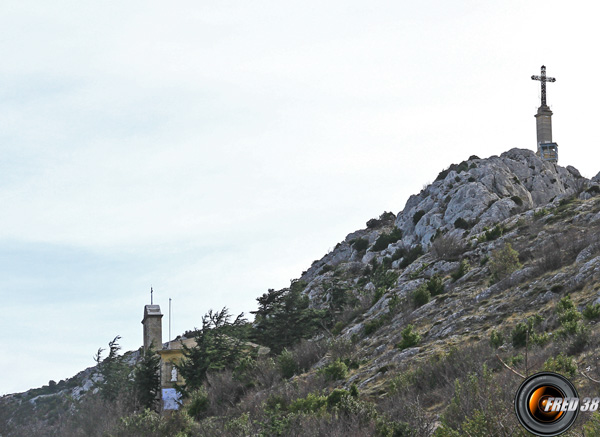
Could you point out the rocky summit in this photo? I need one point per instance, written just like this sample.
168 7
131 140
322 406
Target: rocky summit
549 216
431 318
484 192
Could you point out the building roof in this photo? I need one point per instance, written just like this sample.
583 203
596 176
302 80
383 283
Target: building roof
178 343
152 311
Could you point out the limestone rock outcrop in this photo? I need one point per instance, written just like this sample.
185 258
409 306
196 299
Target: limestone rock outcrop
464 200
481 192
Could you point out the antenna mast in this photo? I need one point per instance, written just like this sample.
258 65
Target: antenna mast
169 321
151 291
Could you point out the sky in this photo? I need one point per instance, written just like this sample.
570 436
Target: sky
213 150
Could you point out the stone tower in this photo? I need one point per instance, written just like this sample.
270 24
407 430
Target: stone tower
152 327
546 149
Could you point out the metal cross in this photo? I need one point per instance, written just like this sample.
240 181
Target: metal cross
542 78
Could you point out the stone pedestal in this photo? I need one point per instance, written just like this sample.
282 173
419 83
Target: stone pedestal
547 150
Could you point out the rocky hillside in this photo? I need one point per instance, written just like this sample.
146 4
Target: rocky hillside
498 256
548 214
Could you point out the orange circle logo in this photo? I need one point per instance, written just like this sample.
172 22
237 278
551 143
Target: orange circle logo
547 404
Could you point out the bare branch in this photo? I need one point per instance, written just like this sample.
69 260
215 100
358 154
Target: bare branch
508 367
590 378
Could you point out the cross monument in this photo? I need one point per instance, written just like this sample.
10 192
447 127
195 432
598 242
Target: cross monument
546 148
542 78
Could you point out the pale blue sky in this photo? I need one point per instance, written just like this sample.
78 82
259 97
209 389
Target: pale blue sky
213 150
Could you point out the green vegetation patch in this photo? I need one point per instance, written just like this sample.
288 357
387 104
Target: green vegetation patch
503 262
461 223
410 338
411 256
360 244
418 216
386 239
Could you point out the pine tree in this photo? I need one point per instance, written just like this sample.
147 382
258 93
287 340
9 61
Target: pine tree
284 318
146 379
219 345
114 372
